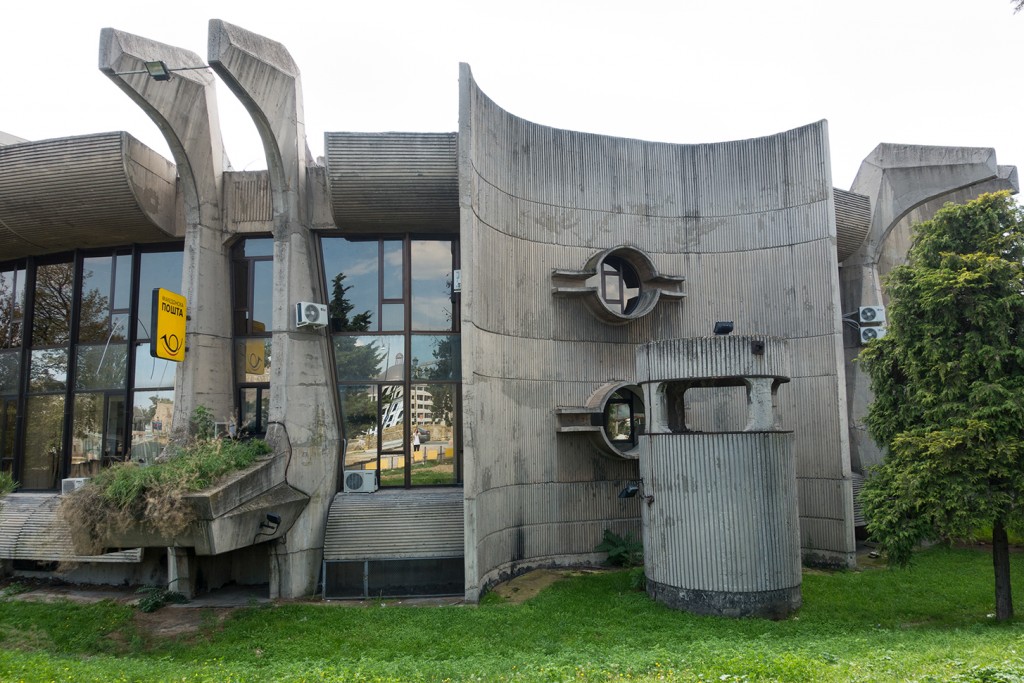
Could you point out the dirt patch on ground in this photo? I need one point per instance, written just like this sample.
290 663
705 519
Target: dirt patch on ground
526 586
180 623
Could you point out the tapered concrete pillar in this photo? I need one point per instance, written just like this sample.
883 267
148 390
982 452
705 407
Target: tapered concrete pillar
185 110
303 405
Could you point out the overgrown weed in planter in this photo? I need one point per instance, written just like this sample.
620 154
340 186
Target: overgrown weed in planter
129 493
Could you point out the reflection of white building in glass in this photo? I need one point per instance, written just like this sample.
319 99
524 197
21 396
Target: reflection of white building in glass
574 251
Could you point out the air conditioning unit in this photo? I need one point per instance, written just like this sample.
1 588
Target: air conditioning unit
870 333
872 315
72 484
308 314
360 481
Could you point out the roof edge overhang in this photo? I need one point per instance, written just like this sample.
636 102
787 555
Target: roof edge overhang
89 191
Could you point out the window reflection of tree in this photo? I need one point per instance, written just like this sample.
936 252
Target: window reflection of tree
359 404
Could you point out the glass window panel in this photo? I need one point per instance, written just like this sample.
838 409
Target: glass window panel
393 270
263 246
94 311
101 366
54 297
48 370
12 295
254 409
119 327
8 421
252 360
122 281
359 420
152 418
10 366
262 296
351 270
113 432
370 357
436 357
87 435
392 317
432 415
393 447
152 373
240 292
44 430
432 285
161 269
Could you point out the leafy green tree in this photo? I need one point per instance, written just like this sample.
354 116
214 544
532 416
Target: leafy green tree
948 381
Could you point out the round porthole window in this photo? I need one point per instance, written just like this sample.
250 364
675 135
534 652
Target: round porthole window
619 285
624 418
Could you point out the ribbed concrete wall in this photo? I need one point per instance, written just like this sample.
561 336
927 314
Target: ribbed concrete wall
751 226
389 525
97 190
380 182
722 520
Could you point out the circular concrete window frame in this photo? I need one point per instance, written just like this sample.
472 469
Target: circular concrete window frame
645 271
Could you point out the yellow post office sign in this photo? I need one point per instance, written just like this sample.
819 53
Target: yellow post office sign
170 311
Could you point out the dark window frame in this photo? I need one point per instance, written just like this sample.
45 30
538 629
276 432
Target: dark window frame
408 380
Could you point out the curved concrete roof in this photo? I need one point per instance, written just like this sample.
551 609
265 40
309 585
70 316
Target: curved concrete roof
381 182
82 192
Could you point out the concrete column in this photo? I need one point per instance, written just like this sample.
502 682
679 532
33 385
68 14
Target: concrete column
185 110
180 577
760 404
304 415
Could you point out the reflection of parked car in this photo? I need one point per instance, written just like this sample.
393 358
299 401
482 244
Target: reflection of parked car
423 433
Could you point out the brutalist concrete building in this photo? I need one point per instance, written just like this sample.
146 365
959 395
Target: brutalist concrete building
463 347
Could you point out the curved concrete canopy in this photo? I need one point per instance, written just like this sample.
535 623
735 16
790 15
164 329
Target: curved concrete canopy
381 182
99 190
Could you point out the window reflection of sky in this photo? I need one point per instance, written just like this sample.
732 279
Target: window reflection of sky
152 372
431 285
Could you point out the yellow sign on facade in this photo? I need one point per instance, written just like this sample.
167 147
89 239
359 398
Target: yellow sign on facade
170 311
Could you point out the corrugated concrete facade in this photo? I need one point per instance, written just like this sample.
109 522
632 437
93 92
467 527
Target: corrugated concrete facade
751 226
97 190
720 524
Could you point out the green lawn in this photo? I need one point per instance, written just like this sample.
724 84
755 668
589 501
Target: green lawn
928 623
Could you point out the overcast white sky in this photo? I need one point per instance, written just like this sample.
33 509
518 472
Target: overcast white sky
936 72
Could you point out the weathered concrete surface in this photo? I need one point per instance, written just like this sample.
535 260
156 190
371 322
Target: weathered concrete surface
228 516
906 184
304 416
185 110
720 524
46 207
750 224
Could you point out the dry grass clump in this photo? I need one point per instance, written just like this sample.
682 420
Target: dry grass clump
129 494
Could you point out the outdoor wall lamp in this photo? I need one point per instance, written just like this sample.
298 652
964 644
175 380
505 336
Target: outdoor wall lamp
272 521
723 327
631 489
159 71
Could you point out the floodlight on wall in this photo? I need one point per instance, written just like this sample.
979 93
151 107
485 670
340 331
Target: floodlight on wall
632 489
159 71
272 522
629 491
723 327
